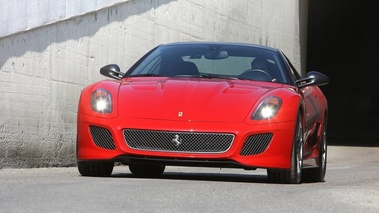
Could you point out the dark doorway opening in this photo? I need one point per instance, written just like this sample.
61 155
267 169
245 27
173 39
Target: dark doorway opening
343 42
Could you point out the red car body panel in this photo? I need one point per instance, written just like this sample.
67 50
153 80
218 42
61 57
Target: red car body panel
154 103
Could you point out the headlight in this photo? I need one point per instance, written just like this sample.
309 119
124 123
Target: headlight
267 108
101 101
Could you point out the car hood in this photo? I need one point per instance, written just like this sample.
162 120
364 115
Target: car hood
189 99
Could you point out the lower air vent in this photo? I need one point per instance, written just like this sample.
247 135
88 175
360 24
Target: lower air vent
102 137
256 144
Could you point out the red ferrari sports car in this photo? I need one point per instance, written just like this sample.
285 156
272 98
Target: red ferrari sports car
207 105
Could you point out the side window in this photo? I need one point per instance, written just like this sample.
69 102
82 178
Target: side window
294 72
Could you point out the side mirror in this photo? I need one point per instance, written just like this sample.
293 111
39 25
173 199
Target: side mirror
313 78
111 71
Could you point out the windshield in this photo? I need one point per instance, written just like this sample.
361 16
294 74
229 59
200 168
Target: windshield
212 61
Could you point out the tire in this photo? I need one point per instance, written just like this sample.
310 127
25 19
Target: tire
146 170
293 176
95 169
318 174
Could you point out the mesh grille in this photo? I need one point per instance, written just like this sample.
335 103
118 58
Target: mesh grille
102 137
190 142
256 144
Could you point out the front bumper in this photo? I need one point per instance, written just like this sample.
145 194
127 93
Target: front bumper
266 145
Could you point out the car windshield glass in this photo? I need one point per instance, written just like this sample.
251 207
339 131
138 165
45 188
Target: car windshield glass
213 61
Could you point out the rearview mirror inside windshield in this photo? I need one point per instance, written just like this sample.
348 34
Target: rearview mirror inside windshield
216 55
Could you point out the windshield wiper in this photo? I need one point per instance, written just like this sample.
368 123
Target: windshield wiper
217 76
144 75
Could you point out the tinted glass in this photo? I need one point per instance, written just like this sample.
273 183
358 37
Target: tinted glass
202 60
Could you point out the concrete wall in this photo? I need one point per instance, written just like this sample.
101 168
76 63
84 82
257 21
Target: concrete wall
43 70
17 16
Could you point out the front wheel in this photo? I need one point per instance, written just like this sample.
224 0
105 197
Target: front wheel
95 169
318 174
292 176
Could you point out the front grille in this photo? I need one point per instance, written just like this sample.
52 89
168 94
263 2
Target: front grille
256 144
102 137
190 142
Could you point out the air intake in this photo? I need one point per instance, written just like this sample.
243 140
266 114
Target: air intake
256 144
102 137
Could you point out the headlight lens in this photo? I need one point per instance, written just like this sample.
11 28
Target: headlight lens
101 101
267 108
